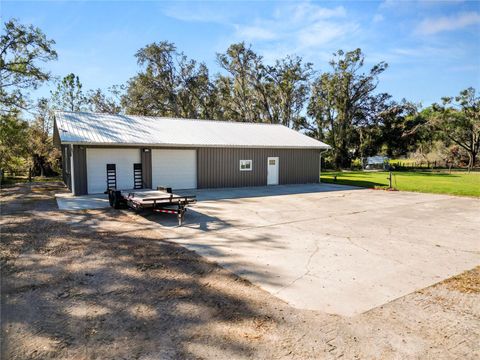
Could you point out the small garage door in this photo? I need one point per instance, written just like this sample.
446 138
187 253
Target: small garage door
174 168
97 160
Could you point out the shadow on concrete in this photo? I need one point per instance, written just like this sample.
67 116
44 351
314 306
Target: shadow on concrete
263 191
193 219
66 201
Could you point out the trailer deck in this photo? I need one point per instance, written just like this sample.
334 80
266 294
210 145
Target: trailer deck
161 200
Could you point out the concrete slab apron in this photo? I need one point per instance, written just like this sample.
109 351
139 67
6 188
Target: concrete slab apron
86 202
337 252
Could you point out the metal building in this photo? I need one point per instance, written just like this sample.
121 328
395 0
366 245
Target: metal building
129 152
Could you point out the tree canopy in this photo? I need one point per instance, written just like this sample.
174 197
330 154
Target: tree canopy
339 105
68 95
344 105
22 51
457 120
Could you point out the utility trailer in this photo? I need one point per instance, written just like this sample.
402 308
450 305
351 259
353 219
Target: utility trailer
161 200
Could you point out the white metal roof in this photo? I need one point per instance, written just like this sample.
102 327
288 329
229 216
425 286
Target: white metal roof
105 129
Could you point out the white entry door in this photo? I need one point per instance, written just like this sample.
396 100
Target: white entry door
174 168
272 171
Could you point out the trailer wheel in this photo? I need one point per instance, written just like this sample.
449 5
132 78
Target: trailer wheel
116 200
110 198
181 216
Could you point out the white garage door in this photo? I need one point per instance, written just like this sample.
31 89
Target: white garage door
97 160
174 168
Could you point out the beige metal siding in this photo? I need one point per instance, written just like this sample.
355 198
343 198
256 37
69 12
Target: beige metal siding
219 167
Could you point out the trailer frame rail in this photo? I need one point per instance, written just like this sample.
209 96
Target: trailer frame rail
169 203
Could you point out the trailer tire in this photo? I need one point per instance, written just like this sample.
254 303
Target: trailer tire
116 200
110 198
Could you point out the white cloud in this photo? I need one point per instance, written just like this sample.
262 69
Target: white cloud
403 4
250 33
418 54
378 18
300 27
432 26
310 12
196 13
323 33
466 68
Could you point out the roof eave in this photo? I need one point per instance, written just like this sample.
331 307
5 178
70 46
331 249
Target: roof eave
320 147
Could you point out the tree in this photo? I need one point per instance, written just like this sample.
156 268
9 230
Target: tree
99 102
254 92
239 100
290 79
68 95
341 100
458 121
22 49
44 155
396 123
13 142
169 84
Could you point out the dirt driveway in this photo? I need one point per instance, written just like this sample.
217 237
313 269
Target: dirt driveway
104 284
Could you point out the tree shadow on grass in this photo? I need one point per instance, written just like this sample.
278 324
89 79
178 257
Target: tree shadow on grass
358 183
428 173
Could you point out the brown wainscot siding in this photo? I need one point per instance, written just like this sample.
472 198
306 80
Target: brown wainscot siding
66 171
220 167
146 159
80 170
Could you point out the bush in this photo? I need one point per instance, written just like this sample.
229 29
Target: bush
356 164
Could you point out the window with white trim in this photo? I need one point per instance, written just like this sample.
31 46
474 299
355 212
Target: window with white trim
245 165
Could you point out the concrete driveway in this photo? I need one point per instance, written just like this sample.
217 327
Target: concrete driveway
332 248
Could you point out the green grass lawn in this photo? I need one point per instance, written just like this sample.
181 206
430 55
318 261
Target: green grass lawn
456 183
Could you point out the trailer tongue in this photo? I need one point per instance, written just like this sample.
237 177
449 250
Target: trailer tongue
161 200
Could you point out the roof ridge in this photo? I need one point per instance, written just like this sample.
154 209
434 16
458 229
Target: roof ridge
168 118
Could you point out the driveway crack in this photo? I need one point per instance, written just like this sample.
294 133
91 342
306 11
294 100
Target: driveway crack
307 270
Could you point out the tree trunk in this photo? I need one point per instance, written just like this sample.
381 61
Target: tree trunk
472 157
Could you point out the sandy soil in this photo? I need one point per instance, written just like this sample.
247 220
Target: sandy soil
96 285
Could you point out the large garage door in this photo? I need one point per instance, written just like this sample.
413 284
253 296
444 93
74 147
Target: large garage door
174 168
122 172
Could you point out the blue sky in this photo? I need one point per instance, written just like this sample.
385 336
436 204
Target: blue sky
432 48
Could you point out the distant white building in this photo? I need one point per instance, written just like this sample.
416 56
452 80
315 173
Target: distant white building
376 162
